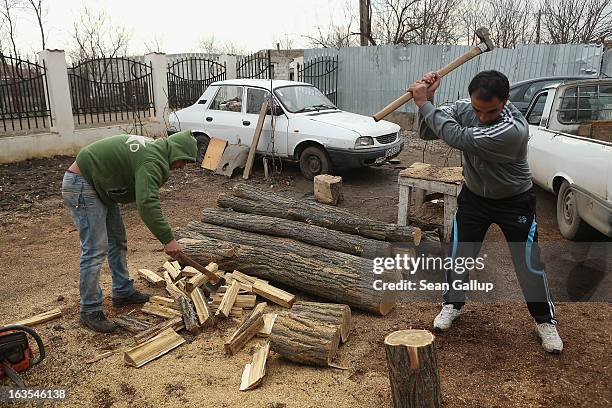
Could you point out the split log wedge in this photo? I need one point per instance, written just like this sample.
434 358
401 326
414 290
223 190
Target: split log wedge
153 348
413 370
247 330
311 234
338 284
331 313
303 340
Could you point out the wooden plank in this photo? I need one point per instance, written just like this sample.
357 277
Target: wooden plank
266 329
153 348
190 272
213 154
403 205
160 311
242 301
255 371
431 172
174 274
244 278
176 323
228 300
152 277
260 122
164 301
167 277
450 207
41 318
201 306
431 186
273 294
246 331
176 265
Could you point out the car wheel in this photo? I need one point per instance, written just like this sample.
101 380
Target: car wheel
203 141
314 161
570 224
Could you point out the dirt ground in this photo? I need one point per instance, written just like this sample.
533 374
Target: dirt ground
490 358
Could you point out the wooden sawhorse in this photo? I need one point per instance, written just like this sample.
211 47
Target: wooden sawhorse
422 178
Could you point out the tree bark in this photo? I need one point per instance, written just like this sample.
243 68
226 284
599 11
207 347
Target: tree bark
339 284
255 201
303 340
330 313
312 234
413 370
196 230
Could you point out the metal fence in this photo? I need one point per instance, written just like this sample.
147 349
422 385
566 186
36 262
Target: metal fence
23 95
321 72
257 65
188 78
371 77
111 90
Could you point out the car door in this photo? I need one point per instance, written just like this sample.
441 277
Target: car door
538 152
223 118
273 137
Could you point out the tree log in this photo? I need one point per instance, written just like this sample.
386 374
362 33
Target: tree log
413 370
312 234
303 340
330 313
328 189
197 230
249 199
339 284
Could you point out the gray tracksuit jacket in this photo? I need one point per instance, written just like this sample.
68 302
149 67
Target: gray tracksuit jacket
494 156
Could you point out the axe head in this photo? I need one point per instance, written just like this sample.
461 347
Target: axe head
483 34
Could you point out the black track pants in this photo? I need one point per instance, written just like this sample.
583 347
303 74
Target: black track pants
516 218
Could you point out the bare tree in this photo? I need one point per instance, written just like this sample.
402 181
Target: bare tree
337 35
8 10
155 44
94 36
211 45
39 10
285 42
577 21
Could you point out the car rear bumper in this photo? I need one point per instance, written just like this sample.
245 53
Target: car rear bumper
351 158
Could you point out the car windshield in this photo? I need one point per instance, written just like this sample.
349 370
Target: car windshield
302 98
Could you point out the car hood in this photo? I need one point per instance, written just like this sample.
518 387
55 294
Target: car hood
364 125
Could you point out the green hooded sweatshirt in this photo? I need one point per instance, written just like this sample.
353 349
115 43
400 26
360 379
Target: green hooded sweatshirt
129 168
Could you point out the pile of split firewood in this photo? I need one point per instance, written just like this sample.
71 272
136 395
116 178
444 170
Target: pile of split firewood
267 239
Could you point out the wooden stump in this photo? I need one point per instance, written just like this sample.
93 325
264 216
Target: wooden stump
328 189
304 340
413 370
331 313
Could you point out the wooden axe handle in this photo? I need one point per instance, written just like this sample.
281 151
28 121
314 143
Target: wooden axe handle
457 62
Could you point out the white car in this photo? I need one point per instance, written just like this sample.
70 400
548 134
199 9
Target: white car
570 153
304 125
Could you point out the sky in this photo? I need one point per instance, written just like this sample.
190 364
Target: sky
180 24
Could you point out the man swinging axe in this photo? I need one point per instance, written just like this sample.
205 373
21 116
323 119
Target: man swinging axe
493 136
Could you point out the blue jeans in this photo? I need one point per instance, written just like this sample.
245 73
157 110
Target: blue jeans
102 233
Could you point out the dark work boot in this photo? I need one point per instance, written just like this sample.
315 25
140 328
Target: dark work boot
134 299
97 321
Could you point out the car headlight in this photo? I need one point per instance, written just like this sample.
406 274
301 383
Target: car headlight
364 141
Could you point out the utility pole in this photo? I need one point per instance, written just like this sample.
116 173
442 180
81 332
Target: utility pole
365 22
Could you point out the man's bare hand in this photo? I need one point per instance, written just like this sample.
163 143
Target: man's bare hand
419 92
173 248
432 79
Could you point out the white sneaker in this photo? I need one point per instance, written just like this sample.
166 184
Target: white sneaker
551 341
444 319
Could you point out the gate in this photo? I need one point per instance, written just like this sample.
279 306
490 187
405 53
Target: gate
257 65
189 77
23 95
321 72
111 89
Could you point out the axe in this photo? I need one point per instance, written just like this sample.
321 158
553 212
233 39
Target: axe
485 45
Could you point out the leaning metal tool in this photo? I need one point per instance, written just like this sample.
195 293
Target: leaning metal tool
485 45
214 281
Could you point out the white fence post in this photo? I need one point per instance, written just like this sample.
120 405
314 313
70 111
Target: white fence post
230 65
58 89
159 73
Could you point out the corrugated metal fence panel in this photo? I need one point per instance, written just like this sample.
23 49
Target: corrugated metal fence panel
371 77
606 64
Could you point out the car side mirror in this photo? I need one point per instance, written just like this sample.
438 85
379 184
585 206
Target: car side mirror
534 119
278 111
